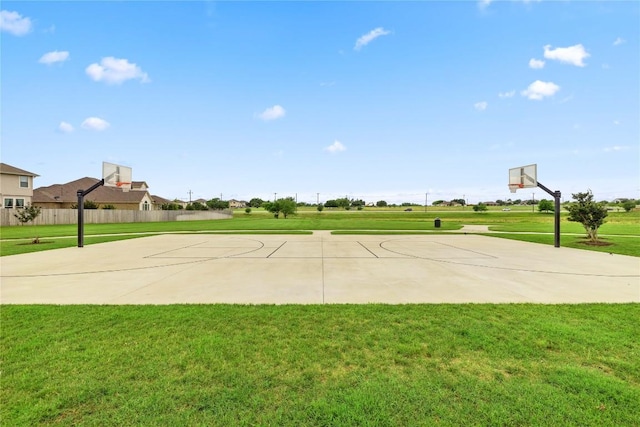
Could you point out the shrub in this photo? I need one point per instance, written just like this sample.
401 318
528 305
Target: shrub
480 207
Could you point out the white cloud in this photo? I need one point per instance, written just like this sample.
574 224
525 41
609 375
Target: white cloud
272 113
573 55
616 148
617 122
95 123
619 41
336 147
536 63
53 57
14 23
483 4
369 37
480 106
115 71
509 94
65 127
539 89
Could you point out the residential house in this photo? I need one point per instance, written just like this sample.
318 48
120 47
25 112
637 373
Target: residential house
139 186
16 186
237 204
65 196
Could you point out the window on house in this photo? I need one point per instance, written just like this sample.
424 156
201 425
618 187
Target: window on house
24 182
145 206
8 203
19 203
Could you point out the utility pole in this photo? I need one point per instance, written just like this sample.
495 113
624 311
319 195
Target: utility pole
190 193
426 201
275 195
533 199
318 199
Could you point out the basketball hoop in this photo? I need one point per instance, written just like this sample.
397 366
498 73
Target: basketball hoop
514 187
116 176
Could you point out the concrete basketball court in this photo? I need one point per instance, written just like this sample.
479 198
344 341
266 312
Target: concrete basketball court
318 269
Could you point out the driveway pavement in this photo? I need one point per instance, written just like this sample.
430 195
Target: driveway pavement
318 269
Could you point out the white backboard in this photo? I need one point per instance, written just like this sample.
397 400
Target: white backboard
116 176
523 177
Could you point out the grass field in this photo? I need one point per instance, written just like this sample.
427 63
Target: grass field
330 365
388 220
374 365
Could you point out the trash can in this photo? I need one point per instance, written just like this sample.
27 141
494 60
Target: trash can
436 223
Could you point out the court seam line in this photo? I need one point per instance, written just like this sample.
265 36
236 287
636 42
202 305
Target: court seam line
367 249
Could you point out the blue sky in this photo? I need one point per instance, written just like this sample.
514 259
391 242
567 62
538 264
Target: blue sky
369 100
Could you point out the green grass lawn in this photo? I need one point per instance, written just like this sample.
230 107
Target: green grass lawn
374 365
620 245
365 221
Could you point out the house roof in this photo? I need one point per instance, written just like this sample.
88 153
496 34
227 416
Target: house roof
160 200
136 185
12 170
68 193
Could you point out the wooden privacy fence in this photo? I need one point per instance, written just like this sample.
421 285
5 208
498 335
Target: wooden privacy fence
111 216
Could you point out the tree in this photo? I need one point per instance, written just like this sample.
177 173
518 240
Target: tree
197 206
247 210
381 203
216 203
343 202
285 206
629 205
29 214
546 206
331 204
320 207
256 202
480 207
437 203
459 201
170 207
587 212
358 204
89 204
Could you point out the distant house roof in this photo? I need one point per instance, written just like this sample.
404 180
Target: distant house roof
12 170
139 185
161 200
68 193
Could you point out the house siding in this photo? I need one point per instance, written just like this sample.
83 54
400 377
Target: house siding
10 186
